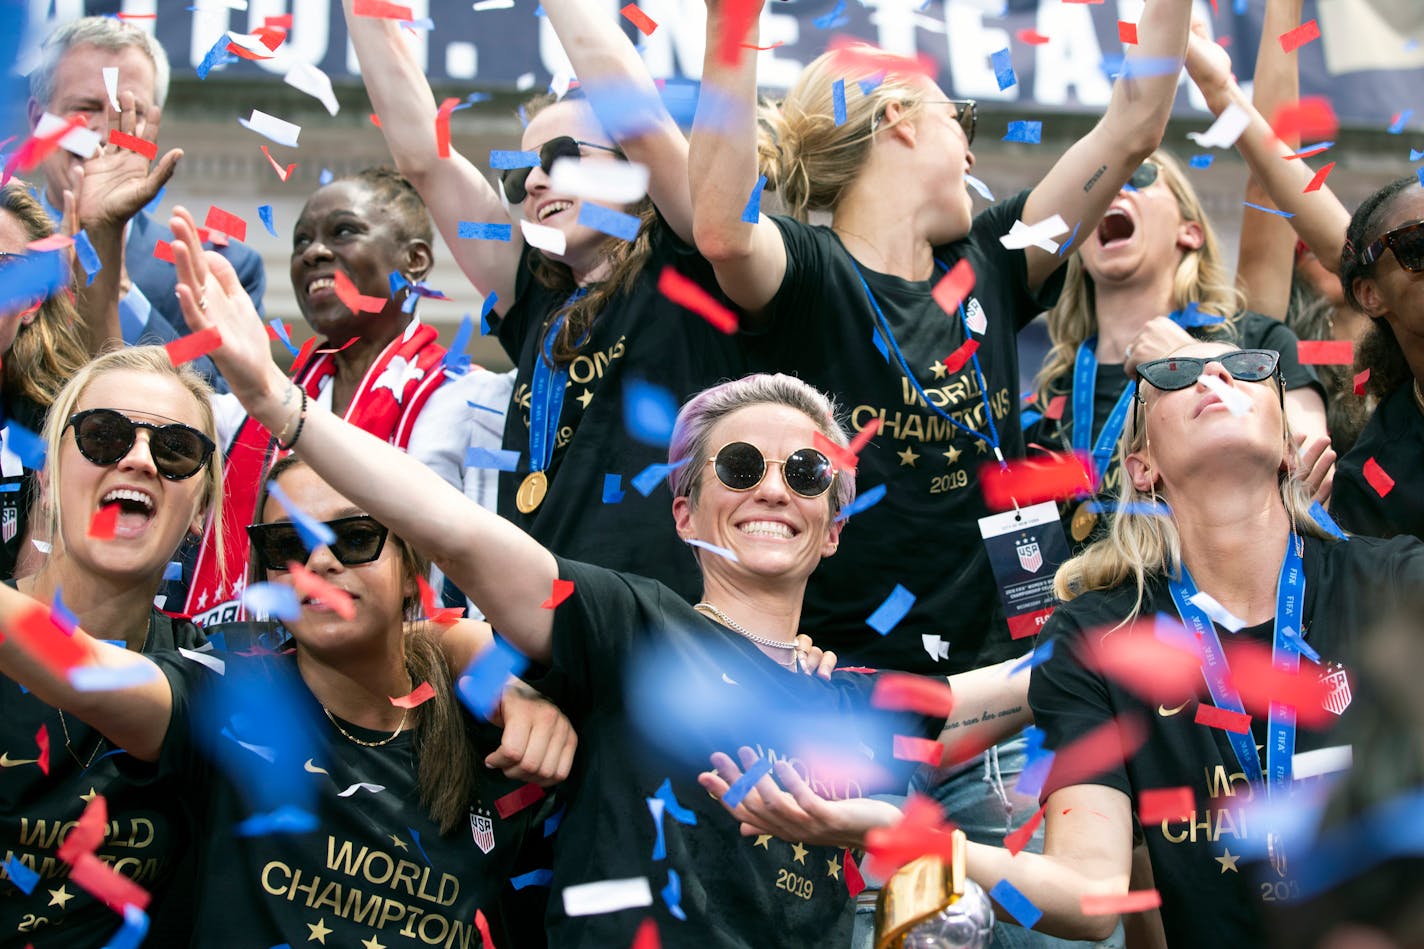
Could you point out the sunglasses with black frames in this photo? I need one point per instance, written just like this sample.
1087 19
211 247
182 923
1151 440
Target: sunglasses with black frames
106 436
966 113
741 467
359 539
563 146
1406 242
1173 373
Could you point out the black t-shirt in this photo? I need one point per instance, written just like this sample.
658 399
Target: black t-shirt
923 535
375 867
1249 330
654 688
148 832
640 335
1394 438
18 489
1207 899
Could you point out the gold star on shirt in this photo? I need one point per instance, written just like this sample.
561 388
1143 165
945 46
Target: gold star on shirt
939 368
372 943
585 399
319 932
833 868
763 841
799 852
908 456
982 445
398 842
88 797
952 456
60 897
1228 860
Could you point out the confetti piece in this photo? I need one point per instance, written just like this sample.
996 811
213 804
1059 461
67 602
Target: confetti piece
1237 402
273 128
1227 128
1319 179
501 159
1017 839
743 785
616 182
638 18
1127 33
723 552
1201 161
1054 410
42 746
923 750
612 488
518 799
1041 654
361 786
133 143
1312 764
1223 718
1003 64
1155 805
190 347
752 212
1057 477
1017 905
912 693
106 884
1311 150
863 502
650 477
1028 132
1378 478
1321 517
264 213
112 679
33 278
838 101
607 896
72 136
1109 904
562 590
1101 750
979 186
104 522
951 289
1041 235
956 360
204 659
1031 37
890 612
305 77
855 883
544 238
26 444
1294 39
226 222
442 126
608 221
674 809
1276 211
287 819
1326 352
1219 614
649 412
313 585
1309 117
481 231
482 683
284 175
937 648
498 459
1360 379
440 615
21 875
688 294
542 877
111 87
353 299
380 9
418 696
672 895
272 599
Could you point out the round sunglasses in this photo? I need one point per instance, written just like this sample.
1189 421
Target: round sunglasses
1406 242
359 539
106 436
741 467
564 146
1180 372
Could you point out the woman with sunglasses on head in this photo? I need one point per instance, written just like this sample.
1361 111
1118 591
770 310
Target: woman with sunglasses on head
129 440
655 684
1154 253
579 312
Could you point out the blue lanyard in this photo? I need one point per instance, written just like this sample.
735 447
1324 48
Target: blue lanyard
546 401
1290 604
991 439
1085 382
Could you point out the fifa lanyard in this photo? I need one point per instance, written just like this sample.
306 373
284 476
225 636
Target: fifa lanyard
992 438
546 401
1085 380
1285 657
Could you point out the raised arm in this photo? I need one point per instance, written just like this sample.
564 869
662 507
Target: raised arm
135 717
453 189
1082 184
502 568
613 74
1318 216
750 259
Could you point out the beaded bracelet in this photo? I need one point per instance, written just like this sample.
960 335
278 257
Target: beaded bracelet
301 421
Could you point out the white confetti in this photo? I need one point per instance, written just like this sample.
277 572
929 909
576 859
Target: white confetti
484 5
220 4
1236 401
617 182
1218 613
313 82
111 85
719 551
560 83
361 786
1312 764
980 187
936 647
250 42
1022 235
550 239
607 896
204 659
110 678
1225 130
271 127
81 141
524 82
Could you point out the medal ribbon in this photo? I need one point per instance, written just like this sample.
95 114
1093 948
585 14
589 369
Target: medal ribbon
546 402
1290 603
1085 382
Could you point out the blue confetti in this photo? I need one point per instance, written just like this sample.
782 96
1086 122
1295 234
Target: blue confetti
500 459
456 359
424 23
1017 905
887 614
313 532
743 785
1399 120
1034 773
1041 654
61 615
1274 211
112 678
1028 417
133 930
649 412
1003 63
26 444
608 221
483 682
32 277
415 838
838 101
672 895
174 571
871 83
486 309
1420 172
216 57
879 342
612 488
532 878
1301 646
484 408
282 335
1063 249
265 213
752 212
21 875
650 477
1201 161
1191 315
1156 508
551 824
272 599
87 256
1139 67
485 231
1415 155
11 488
501 160
675 810
863 502
1323 518
1030 133
722 552
325 178
656 807
829 21
1170 630
286 819
1238 7
979 186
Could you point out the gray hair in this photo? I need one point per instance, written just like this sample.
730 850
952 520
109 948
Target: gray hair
107 33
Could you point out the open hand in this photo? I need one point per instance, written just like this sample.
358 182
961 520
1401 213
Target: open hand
118 182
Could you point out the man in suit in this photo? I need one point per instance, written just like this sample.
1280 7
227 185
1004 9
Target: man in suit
69 81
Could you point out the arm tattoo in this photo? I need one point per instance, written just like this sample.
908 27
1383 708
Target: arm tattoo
1088 185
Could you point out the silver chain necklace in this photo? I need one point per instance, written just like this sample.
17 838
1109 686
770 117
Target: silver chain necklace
734 626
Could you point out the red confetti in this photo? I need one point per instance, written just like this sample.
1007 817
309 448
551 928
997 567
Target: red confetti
1310 152
855 883
281 22
105 520
953 287
638 18
1018 839
1107 904
133 143
163 251
922 750
1223 718
106 884
912 693
482 924
843 459
1127 32
190 347
41 638
563 589
955 361
88 832
1377 477
863 437
36 148
1360 380
686 293
737 19
1319 178
1292 40
310 584
284 175
1260 683
1099 751
271 36
1326 352
1151 669
855 57
1032 37
418 696
381 10
518 799
226 222
922 830
53 242
376 121
647 936
1311 117
1154 805
42 743
303 354
353 299
1054 478
442 126
1055 408
247 54
437 614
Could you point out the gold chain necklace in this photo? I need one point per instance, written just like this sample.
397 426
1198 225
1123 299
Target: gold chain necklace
70 748
366 744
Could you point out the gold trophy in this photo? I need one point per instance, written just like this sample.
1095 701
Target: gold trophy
927 905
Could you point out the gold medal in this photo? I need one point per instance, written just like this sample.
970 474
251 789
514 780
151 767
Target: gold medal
531 492
1084 520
